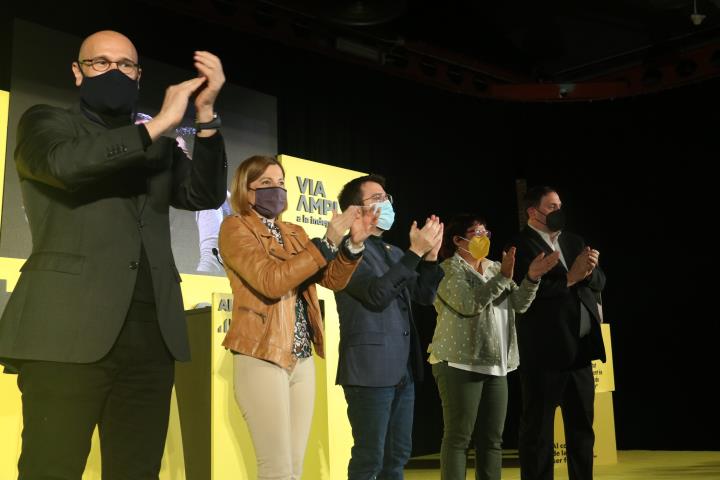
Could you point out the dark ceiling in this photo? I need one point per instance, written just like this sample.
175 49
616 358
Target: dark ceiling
539 40
518 50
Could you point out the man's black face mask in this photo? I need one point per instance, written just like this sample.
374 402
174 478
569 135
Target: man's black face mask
112 93
555 220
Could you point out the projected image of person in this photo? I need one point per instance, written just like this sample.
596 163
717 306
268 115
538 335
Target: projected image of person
208 221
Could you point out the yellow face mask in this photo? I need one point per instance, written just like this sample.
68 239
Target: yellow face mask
479 247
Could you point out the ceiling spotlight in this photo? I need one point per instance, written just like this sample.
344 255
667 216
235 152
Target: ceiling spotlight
695 17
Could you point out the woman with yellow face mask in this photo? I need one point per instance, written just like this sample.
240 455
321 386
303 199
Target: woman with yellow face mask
475 345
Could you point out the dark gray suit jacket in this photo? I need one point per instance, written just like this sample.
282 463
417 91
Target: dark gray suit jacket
377 332
548 332
92 196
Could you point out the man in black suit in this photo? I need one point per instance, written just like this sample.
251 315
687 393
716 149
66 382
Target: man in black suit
96 320
380 356
558 337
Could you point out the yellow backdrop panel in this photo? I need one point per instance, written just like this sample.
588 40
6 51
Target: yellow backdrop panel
312 194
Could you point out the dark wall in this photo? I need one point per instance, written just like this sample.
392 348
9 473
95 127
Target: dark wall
6 31
636 177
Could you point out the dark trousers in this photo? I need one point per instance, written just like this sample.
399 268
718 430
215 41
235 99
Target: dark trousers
126 394
473 404
542 392
381 419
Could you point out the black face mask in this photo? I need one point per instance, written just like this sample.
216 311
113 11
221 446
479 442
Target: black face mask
112 93
555 220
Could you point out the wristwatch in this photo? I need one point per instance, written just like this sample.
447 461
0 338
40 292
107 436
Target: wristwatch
213 124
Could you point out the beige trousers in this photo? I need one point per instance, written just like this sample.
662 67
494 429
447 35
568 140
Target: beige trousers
278 407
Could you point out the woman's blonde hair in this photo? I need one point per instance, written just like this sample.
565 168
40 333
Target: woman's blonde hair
247 172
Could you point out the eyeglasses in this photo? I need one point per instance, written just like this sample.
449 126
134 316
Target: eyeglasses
102 64
476 232
379 198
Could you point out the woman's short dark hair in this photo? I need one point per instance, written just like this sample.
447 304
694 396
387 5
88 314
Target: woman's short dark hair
458 225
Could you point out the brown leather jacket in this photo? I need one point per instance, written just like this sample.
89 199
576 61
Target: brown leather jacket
264 277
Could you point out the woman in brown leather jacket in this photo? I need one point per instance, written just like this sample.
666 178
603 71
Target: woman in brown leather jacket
273 267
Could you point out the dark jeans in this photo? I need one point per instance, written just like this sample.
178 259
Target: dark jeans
542 392
127 394
381 420
472 403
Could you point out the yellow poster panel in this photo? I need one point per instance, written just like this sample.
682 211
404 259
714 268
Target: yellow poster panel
312 195
603 372
10 420
605 451
4 109
231 450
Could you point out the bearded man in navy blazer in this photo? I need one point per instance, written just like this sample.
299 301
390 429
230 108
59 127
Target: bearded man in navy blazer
558 337
380 356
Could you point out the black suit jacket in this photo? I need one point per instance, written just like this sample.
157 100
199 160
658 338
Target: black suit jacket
377 332
548 333
92 197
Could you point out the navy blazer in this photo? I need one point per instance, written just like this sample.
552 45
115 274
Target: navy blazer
377 331
548 332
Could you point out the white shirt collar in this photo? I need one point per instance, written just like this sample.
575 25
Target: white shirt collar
554 244
485 263
546 236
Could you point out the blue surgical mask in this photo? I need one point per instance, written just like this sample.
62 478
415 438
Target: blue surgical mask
387 215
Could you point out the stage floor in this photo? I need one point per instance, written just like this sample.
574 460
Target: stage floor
632 465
